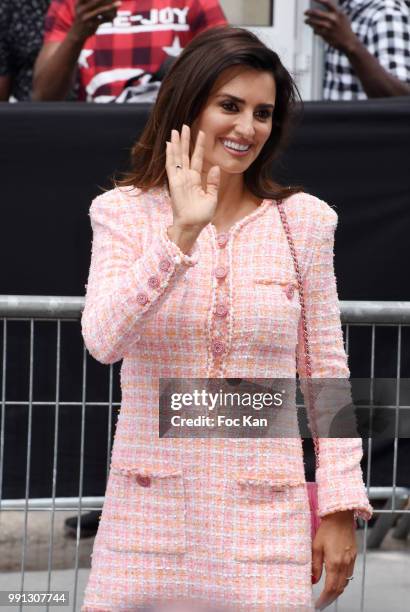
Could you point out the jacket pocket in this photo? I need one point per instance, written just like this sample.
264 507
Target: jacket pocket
275 307
280 291
144 511
271 520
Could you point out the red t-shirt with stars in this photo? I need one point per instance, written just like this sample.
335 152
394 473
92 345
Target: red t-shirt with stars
143 34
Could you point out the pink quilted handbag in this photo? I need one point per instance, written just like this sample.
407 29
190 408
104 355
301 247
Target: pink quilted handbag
311 486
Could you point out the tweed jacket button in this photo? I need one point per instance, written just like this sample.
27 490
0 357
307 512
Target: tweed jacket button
289 291
220 271
164 265
142 298
222 239
221 310
143 481
218 347
154 282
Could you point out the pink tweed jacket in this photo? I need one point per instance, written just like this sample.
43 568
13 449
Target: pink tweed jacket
218 521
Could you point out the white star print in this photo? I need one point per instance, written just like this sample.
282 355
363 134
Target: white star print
83 59
176 48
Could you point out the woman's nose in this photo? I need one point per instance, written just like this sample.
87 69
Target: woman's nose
246 129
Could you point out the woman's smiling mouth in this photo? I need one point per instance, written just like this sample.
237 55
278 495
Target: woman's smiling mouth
234 148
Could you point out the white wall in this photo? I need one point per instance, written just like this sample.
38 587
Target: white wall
243 12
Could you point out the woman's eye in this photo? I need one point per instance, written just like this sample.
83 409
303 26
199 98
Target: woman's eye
225 104
267 114
264 114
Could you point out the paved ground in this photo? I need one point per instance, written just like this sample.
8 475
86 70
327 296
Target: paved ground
38 542
387 584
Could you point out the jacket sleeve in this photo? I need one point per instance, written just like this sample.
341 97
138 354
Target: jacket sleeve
126 283
339 475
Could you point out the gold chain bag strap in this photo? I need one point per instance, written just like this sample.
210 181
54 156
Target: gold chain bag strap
311 486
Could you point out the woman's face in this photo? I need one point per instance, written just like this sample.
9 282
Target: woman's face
238 113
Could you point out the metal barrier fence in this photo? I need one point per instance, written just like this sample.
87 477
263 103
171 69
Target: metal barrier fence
33 309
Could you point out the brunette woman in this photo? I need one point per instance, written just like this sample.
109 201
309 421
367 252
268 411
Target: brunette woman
192 276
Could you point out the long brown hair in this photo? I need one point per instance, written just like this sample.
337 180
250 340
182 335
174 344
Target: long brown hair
184 93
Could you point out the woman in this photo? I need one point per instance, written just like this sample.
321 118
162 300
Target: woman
191 276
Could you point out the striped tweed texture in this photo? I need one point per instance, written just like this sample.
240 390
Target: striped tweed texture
216 523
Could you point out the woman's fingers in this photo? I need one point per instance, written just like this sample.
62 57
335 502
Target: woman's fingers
330 590
168 158
178 153
176 147
185 138
180 145
349 571
335 583
198 154
347 567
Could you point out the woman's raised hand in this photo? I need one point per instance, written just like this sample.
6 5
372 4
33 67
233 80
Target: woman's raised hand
193 207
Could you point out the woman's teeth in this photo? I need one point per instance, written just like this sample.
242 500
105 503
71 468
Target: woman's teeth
235 147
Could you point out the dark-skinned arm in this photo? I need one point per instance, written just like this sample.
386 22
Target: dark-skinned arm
334 27
376 81
56 63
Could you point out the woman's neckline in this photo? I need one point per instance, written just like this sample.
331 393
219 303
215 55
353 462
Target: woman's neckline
239 222
242 221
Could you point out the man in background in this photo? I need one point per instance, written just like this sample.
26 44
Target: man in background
368 51
112 45
21 35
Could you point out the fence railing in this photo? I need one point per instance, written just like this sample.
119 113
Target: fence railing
59 310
